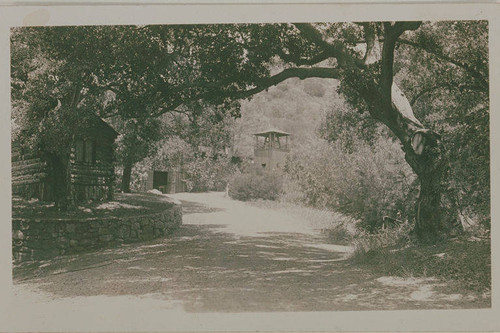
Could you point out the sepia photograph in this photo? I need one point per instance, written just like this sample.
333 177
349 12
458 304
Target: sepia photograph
250 167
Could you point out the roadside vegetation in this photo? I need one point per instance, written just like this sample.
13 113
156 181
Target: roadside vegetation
464 260
246 186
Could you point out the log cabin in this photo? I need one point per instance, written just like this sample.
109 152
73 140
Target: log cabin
91 166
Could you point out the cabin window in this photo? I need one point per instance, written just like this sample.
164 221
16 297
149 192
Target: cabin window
89 152
80 150
85 151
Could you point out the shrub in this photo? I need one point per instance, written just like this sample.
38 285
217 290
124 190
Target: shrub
209 174
267 186
365 242
367 183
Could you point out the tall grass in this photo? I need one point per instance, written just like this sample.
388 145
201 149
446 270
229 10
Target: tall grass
365 242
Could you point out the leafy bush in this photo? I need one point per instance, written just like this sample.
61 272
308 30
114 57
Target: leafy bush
365 242
267 186
367 184
138 177
209 174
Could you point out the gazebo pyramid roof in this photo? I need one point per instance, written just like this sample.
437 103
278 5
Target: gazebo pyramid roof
272 130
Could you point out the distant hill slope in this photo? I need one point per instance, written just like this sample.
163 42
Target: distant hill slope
295 106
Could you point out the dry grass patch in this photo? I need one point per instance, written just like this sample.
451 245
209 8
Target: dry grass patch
463 260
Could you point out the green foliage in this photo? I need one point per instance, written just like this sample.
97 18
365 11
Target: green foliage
394 236
203 170
468 147
137 139
209 174
199 145
453 101
246 186
138 178
367 184
342 122
53 70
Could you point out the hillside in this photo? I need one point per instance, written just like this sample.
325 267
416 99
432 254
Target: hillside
295 106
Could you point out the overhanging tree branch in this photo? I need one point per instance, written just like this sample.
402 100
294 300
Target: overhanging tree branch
299 72
440 55
336 50
446 86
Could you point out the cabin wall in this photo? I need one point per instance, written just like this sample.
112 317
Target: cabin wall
175 183
92 178
29 174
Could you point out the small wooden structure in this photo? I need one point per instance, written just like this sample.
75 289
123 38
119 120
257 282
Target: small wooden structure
171 180
91 168
271 149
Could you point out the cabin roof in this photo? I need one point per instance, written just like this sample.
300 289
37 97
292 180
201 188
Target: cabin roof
95 124
272 130
108 127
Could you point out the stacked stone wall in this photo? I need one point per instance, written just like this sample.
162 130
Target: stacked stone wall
38 239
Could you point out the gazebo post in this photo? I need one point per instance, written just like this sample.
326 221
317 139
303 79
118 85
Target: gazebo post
271 155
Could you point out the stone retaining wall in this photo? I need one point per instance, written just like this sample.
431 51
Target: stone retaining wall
37 239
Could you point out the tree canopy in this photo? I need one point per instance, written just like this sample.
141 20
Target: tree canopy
405 75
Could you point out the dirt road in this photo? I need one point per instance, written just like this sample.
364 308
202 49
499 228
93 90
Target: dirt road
227 257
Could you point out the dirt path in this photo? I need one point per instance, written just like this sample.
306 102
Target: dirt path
227 257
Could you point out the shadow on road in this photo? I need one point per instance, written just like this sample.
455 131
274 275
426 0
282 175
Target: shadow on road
207 270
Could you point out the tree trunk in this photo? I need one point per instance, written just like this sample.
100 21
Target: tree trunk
127 172
435 214
60 181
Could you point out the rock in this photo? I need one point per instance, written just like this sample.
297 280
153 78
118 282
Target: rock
123 232
18 234
62 242
155 191
105 238
147 232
